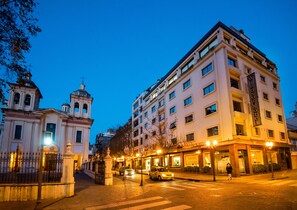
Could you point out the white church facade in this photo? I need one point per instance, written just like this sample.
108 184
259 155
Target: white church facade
26 125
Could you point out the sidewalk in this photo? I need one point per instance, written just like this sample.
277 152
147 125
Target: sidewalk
87 193
244 178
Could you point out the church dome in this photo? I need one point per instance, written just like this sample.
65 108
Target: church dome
82 92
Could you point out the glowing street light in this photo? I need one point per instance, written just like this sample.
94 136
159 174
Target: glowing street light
212 145
269 145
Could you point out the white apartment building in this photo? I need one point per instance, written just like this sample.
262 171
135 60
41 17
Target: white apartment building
223 89
26 125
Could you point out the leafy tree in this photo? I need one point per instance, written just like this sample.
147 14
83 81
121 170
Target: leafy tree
17 25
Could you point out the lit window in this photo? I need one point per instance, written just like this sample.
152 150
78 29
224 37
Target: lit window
210 88
172 79
205 50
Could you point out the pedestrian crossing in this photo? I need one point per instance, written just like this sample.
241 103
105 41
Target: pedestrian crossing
139 204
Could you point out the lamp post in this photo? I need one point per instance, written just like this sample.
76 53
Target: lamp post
212 146
141 175
269 145
47 140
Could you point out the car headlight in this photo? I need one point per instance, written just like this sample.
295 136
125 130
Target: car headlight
172 174
163 174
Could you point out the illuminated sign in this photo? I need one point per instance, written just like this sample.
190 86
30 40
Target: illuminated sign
253 93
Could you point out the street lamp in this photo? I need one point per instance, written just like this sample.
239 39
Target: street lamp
47 140
269 145
212 146
141 175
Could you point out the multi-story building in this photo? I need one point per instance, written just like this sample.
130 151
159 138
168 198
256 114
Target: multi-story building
26 125
223 89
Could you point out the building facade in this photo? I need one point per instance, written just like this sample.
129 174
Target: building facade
26 126
224 90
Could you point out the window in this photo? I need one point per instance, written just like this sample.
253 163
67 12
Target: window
162 117
161 103
268 114
135 133
205 50
162 88
187 66
153 109
172 79
154 95
171 95
141 130
270 133
141 141
140 119
265 96
154 133
174 141
282 135
16 98
189 118
188 101
257 131
172 125
51 127
76 107
210 88
207 69
239 130
190 137
277 101
153 120
78 136
135 123
136 114
274 85
234 83
237 106
187 84
262 78
231 62
172 110
145 114
280 118
135 105
18 132
211 109
146 136
85 108
27 101
146 125
212 131
135 143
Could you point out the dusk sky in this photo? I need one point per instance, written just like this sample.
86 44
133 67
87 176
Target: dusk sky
121 47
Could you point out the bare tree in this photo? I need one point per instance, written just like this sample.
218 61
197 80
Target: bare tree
17 25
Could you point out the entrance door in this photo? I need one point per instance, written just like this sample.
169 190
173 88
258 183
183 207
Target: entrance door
242 160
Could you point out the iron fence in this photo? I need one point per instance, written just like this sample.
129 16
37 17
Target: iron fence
23 167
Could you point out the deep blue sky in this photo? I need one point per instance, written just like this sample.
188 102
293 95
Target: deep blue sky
121 47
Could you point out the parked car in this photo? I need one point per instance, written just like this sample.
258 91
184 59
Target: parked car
161 173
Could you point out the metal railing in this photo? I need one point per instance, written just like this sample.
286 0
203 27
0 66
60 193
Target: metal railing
21 167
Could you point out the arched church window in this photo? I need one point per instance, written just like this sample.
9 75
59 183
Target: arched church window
85 108
76 107
16 98
27 100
